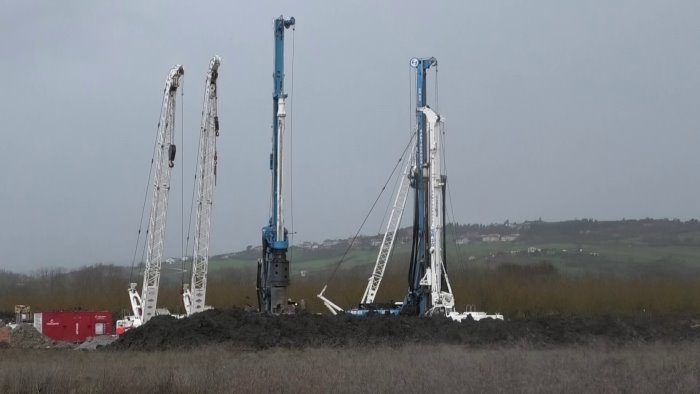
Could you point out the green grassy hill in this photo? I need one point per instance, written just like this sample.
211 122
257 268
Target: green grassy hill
579 266
621 248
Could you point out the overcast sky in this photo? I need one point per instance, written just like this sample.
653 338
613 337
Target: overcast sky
555 110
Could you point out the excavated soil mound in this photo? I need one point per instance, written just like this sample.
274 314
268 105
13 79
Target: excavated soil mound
95 343
25 336
249 330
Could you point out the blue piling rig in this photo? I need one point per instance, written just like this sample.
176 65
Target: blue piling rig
273 268
417 300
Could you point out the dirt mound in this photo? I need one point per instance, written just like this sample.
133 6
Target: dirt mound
25 336
96 342
250 330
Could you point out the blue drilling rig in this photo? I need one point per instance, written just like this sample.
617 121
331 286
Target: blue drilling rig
273 267
417 300
429 289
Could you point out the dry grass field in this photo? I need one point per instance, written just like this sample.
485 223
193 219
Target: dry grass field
647 368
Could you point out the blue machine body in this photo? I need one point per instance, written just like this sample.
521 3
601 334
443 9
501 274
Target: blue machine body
416 302
269 231
274 250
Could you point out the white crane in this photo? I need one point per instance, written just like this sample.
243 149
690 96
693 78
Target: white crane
194 294
144 305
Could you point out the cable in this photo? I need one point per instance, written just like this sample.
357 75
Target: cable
145 199
388 205
194 186
291 152
337 266
437 96
182 177
449 196
411 116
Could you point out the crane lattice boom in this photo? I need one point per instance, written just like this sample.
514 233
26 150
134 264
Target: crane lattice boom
144 305
194 295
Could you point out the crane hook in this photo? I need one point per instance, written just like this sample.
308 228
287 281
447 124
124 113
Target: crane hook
216 158
171 155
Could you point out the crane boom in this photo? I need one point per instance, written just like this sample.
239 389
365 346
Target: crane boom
194 295
392 227
144 305
273 268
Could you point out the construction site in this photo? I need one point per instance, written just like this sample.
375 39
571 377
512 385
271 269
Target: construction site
518 311
429 290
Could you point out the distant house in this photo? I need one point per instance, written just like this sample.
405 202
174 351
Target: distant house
491 238
462 241
533 250
509 237
330 243
376 242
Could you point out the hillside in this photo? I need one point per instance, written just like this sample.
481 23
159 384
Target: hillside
578 265
626 247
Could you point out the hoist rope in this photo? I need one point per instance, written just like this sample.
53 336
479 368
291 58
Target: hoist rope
458 250
411 116
291 152
357 233
145 199
437 97
182 177
193 200
452 212
390 202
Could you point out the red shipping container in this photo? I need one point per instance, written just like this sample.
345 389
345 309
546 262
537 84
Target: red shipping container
75 326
